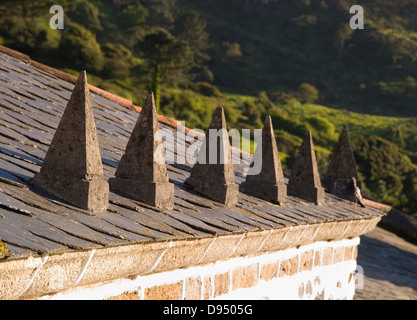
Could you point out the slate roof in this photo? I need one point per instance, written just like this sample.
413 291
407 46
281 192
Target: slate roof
32 101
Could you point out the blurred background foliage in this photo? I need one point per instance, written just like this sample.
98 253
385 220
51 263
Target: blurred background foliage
297 61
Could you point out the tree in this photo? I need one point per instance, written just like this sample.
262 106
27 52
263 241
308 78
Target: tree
189 27
79 49
389 175
21 23
86 14
166 58
27 9
132 16
117 59
343 34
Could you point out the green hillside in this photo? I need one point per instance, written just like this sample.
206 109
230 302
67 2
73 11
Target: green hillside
297 61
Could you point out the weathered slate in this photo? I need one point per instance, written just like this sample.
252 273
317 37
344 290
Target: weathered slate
45 231
13 233
267 217
15 170
195 223
247 221
76 229
102 226
213 220
282 214
123 223
27 165
32 200
149 222
218 216
24 119
7 178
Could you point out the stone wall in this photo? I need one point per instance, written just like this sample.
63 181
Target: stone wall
322 270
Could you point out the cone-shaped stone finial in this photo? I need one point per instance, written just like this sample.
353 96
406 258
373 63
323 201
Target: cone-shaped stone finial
213 173
72 169
142 173
304 181
342 167
269 183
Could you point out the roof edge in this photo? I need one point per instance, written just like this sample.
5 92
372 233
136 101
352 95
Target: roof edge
43 275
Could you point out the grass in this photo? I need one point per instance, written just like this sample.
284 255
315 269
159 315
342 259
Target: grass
358 123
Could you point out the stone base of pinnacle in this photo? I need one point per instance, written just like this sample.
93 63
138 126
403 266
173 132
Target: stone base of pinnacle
224 193
92 195
157 194
270 192
308 193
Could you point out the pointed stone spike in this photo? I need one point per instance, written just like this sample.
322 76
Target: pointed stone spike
213 173
142 173
304 181
342 167
269 183
72 169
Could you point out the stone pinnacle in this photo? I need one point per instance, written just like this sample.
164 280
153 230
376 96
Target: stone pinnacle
72 169
342 167
304 181
213 173
269 183
142 173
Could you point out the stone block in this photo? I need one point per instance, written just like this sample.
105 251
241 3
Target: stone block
306 260
338 254
192 288
134 295
348 255
317 258
207 288
288 267
269 271
170 291
245 277
327 256
221 284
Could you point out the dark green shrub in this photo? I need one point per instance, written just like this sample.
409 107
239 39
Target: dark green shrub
308 93
207 89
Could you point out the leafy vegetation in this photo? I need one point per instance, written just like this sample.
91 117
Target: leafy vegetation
297 61
3 248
